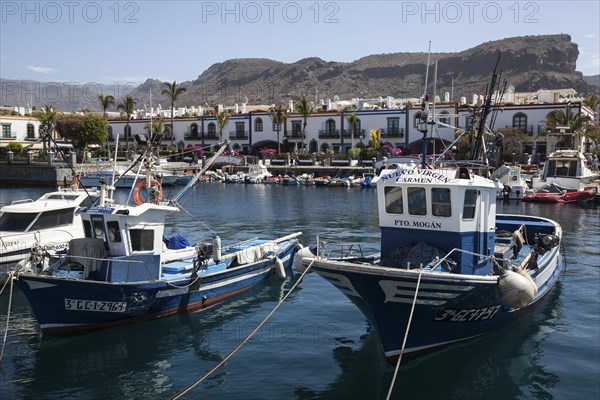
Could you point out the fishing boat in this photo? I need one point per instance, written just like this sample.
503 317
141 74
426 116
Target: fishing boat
447 260
123 270
450 269
48 222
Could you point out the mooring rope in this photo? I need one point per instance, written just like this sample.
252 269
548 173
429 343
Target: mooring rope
389 395
10 277
243 342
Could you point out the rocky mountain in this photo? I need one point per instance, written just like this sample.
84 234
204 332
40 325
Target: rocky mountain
528 63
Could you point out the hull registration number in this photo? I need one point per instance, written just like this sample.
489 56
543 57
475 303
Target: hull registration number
95 305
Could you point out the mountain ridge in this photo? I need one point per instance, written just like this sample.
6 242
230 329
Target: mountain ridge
527 63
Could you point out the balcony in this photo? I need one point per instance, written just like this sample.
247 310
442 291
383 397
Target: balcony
329 134
238 135
392 133
357 133
191 136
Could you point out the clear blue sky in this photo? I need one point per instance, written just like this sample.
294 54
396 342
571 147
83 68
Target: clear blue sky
118 42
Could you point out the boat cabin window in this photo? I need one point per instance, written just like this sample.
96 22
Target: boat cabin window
51 219
16 222
114 233
98 227
417 202
141 239
440 202
470 204
63 196
393 200
87 228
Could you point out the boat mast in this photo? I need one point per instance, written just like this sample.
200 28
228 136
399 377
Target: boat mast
422 126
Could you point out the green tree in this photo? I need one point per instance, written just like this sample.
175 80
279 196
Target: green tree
306 108
47 117
592 102
82 130
105 103
352 118
575 121
222 118
173 92
127 105
157 128
15 147
279 116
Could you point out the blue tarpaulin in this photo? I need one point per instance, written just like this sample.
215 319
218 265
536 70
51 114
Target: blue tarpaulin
177 242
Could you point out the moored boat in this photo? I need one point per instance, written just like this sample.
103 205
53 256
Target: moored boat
448 260
124 270
49 222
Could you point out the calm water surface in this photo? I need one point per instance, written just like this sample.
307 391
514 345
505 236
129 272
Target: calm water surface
317 345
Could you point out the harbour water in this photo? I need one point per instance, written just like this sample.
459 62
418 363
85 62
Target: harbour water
317 345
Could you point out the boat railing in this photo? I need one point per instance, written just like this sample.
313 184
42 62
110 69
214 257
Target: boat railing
101 269
21 201
340 250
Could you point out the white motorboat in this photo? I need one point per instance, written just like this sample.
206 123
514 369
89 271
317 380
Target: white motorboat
567 168
48 222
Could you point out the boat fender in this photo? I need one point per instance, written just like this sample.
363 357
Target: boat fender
515 290
279 268
301 255
216 244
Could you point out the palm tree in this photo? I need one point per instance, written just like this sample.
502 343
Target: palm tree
279 116
47 117
127 104
352 118
105 103
173 92
559 118
156 128
222 118
592 102
305 108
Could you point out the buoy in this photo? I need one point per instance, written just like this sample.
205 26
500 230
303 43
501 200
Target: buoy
216 242
515 289
140 185
279 268
301 255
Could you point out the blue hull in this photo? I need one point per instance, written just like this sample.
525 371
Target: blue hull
449 308
63 305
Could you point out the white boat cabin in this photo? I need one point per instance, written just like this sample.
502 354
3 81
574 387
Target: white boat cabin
447 209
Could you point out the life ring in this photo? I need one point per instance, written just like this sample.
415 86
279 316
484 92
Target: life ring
155 191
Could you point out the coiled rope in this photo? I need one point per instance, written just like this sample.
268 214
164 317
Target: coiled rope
243 342
10 278
389 395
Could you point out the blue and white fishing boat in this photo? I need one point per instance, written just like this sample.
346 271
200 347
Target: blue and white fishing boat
450 269
124 270
447 260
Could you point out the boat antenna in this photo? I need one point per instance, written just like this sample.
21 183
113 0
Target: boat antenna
476 151
423 115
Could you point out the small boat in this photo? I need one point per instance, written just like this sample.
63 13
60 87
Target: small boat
555 194
306 179
49 222
339 182
124 270
447 259
567 168
322 180
289 179
257 173
514 184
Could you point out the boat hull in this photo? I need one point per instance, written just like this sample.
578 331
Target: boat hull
63 305
449 307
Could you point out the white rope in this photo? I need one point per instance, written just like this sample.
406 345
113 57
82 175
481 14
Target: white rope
239 346
10 277
389 395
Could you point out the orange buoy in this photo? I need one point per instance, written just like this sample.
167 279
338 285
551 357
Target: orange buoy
155 191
